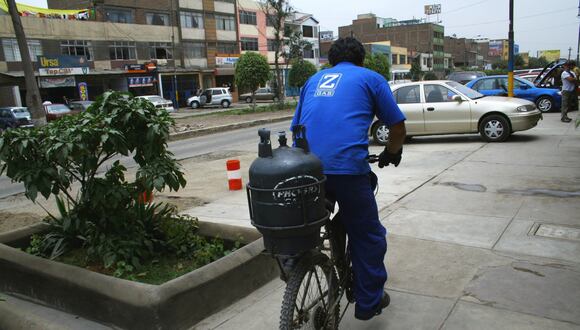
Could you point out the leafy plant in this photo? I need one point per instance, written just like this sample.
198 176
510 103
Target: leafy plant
76 159
430 76
300 73
252 71
379 63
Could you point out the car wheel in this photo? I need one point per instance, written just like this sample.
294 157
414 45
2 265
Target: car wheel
225 104
545 103
380 133
494 128
275 99
194 104
248 99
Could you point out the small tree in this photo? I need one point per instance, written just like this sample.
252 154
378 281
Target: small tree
379 63
252 71
416 72
277 12
301 71
430 76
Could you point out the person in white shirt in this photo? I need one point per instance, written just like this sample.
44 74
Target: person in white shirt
568 90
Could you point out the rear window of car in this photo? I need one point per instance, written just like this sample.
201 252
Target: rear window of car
57 108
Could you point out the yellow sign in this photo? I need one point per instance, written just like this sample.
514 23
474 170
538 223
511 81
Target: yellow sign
550 55
25 10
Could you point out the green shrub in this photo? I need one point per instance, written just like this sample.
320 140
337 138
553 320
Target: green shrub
106 216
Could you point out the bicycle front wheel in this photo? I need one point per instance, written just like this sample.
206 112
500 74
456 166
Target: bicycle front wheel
310 299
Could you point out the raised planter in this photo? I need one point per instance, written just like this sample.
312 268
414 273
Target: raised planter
177 304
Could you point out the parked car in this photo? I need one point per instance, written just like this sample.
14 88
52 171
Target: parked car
464 77
55 111
211 96
13 117
546 99
159 102
448 107
261 94
79 106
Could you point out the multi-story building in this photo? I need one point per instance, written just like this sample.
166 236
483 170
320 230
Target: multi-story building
415 35
165 47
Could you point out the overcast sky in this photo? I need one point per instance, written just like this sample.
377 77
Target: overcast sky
538 24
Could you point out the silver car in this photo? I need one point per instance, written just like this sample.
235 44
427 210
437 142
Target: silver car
448 107
159 102
211 96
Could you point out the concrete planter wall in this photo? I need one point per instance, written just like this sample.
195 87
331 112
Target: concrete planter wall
177 304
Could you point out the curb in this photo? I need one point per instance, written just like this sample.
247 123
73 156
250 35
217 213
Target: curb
214 129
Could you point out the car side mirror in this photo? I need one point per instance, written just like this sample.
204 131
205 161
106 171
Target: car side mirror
457 98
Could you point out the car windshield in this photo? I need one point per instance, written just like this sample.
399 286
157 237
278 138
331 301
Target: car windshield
465 90
525 82
20 112
57 108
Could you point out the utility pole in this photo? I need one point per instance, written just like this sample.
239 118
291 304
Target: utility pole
578 49
511 57
569 52
33 101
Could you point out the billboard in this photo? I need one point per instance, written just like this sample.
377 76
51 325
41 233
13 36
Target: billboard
432 9
550 55
56 82
495 48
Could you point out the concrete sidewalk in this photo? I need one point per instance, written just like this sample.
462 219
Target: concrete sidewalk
481 236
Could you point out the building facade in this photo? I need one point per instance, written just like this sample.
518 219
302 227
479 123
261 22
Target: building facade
415 35
166 47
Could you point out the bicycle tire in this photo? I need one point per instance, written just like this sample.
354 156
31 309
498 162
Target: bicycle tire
311 269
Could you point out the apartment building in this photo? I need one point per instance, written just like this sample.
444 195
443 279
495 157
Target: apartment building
415 35
166 47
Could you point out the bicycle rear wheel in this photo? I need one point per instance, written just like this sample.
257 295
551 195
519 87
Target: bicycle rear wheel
310 299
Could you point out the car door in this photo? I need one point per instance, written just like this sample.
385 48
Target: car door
489 87
409 100
216 96
443 115
261 94
521 89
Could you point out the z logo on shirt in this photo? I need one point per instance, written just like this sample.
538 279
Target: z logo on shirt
327 84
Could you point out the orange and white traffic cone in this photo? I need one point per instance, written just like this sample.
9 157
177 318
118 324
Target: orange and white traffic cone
234 174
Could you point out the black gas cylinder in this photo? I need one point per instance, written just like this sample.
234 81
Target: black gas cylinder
286 194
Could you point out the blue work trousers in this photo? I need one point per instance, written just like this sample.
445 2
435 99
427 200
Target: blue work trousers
367 236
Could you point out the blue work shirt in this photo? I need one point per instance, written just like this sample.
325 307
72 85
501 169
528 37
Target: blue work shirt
337 107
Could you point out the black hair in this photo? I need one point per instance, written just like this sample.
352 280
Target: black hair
346 50
570 63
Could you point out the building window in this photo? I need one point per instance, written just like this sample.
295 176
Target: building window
227 48
191 20
160 50
157 19
194 49
119 15
225 23
122 50
308 53
247 17
76 48
249 43
394 59
271 19
307 31
402 59
272 45
12 52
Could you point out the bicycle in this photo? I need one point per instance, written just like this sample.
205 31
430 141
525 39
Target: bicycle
317 280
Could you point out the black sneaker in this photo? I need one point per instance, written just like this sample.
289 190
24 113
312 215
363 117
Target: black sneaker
566 119
364 316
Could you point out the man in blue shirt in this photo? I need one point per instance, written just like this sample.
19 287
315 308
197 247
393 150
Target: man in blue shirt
337 107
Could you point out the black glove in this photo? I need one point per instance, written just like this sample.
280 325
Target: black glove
386 158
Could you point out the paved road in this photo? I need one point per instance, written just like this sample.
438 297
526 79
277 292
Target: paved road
181 149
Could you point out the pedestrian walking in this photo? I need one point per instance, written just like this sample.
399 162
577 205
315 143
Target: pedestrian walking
569 97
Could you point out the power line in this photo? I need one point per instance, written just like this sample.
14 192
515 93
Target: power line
461 8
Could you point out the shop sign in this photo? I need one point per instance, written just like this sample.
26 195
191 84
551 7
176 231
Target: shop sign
141 68
83 91
144 81
226 60
57 82
62 65
432 9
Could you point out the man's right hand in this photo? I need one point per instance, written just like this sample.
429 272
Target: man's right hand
386 158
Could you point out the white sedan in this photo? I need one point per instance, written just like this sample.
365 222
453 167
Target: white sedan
159 102
448 107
